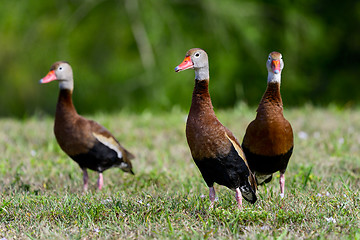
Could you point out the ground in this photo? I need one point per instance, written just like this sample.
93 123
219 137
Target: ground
42 198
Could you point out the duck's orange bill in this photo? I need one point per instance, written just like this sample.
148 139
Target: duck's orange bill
186 64
275 65
51 76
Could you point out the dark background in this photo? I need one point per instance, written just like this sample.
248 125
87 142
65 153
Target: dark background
124 52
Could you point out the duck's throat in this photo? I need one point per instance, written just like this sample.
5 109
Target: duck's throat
202 73
274 78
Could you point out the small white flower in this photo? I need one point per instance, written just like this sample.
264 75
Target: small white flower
106 201
330 219
33 153
327 194
303 135
341 141
319 195
139 201
202 196
265 227
96 230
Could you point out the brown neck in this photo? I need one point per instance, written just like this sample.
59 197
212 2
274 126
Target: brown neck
65 107
271 99
201 100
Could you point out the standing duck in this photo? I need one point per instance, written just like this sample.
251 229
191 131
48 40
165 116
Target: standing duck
215 150
85 141
268 142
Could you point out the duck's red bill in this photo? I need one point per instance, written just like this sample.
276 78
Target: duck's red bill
51 76
275 65
186 64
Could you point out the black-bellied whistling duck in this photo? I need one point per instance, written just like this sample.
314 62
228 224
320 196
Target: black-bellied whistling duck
268 142
85 141
215 150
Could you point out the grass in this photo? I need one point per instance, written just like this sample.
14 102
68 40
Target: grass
41 188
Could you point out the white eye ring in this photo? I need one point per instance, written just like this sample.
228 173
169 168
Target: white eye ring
60 68
197 54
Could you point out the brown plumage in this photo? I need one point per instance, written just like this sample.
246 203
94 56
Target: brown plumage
268 142
215 150
85 141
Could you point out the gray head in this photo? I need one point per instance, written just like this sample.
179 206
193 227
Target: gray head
275 65
62 72
196 59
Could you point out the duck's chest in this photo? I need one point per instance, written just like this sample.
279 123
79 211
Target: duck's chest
206 136
73 135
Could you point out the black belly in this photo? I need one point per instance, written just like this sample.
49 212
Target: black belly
99 158
230 170
267 164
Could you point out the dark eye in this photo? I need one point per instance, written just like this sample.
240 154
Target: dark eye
60 68
197 54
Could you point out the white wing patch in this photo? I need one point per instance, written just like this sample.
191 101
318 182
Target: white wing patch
109 142
238 149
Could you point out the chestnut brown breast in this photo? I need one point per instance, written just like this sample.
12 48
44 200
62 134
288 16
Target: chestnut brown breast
204 132
72 131
270 134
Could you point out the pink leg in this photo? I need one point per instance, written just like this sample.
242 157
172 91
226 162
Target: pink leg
282 185
212 196
85 179
238 197
100 181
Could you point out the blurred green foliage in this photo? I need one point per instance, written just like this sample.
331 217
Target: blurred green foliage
123 52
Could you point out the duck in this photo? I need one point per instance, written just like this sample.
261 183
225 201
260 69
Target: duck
268 142
215 150
85 141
